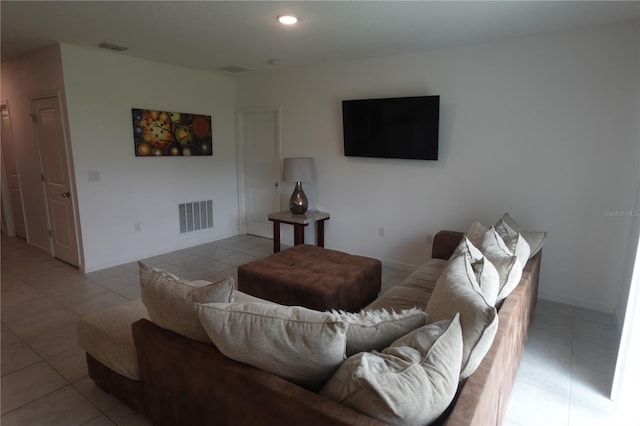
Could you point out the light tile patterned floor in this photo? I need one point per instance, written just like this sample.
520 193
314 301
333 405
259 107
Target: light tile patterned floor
564 377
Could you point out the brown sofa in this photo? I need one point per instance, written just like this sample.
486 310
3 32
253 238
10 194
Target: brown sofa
185 382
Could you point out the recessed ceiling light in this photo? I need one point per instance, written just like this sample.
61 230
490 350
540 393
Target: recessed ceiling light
287 19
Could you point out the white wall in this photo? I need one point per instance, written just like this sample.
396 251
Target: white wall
543 127
101 89
37 74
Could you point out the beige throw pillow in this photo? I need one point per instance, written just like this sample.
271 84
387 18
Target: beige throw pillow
170 301
457 292
476 232
375 330
412 382
514 241
506 263
535 239
486 274
295 343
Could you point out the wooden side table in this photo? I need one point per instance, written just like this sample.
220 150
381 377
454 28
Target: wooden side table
299 221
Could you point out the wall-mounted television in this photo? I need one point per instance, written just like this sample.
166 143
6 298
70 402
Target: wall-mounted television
392 127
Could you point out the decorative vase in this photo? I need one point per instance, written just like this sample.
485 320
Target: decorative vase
298 202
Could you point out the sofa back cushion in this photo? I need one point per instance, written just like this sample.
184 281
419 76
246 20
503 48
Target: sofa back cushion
458 292
377 329
298 344
170 300
414 291
411 382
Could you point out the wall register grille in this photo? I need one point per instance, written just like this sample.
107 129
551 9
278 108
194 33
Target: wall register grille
195 216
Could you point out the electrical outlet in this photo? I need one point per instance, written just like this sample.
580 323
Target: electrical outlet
137 227
380 231
429 238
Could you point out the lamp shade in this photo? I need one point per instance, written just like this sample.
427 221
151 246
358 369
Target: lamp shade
299 169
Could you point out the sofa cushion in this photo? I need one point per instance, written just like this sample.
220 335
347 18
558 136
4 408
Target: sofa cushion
486 274
375 330
398 298
106 336
506 263
414 291
457 292
170 300
411 382
295 343
426 275
535 239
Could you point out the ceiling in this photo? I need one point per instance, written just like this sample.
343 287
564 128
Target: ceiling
208 35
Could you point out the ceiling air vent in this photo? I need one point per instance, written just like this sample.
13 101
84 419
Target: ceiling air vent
234 69
112 46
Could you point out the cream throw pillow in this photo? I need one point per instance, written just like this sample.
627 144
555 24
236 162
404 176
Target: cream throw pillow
298 344
375 330
487 276
457 292
506 263
535 239
514 241
412 382
476 232
170 301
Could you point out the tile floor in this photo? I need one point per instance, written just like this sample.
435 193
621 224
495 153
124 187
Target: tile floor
564 377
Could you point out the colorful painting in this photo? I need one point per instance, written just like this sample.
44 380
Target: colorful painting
163 133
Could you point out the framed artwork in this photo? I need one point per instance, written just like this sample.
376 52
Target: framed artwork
164 133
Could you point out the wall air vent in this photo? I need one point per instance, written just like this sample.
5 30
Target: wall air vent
195 216
111 46
233 69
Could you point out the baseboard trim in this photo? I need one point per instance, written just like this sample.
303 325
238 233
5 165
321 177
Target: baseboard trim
578 303
129 259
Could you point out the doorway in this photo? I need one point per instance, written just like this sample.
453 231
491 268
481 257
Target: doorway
259 145
56 178
13 221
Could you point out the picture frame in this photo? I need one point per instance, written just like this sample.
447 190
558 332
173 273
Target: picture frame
174 134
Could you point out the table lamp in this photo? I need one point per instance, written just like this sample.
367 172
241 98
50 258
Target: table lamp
298 170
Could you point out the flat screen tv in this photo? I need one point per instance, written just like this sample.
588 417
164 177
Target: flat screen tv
392 127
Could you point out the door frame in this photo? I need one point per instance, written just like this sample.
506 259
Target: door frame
241 155
70 169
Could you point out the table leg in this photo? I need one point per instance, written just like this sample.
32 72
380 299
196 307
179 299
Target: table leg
298 234
320 233
276 236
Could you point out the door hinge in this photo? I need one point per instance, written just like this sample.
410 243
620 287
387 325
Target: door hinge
41 177
34 117
49 233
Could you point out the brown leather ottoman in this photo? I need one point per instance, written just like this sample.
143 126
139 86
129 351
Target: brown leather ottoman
313 277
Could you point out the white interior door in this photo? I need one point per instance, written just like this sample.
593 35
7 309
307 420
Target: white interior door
12 200
56 177
261 132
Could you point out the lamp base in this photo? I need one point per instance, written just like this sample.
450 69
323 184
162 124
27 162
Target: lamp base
298 203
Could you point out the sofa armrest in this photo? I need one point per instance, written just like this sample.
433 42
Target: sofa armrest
191 383
444 243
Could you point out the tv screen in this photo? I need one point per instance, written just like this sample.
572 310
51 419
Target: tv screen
392 127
